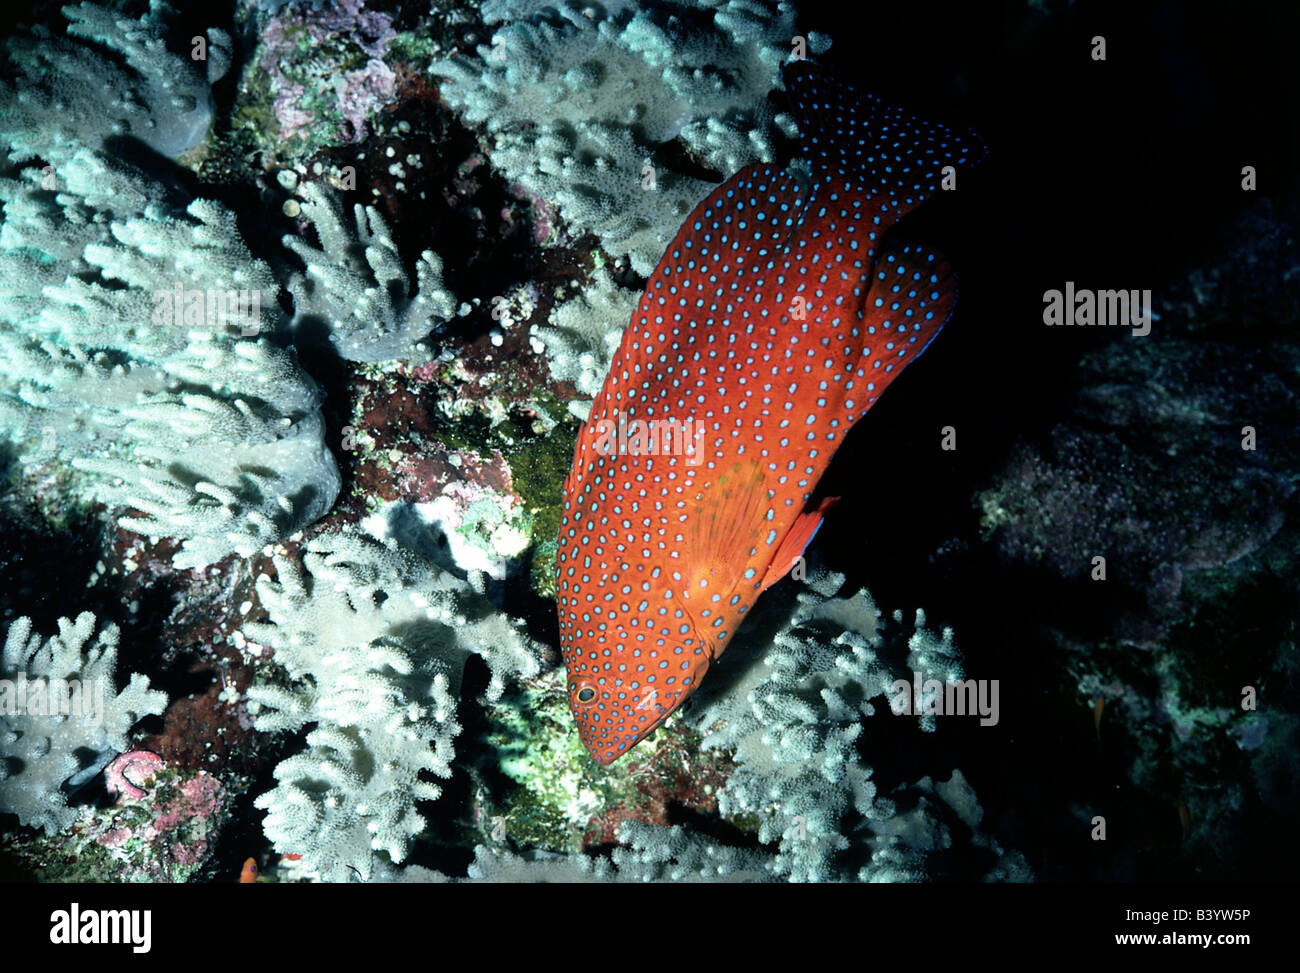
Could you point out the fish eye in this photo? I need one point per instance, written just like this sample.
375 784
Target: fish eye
586 694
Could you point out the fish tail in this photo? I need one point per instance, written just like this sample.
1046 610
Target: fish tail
892 157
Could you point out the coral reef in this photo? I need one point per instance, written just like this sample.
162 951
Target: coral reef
774 746
138 363
119 78
327 528
580 101
356 286
373 641
41 736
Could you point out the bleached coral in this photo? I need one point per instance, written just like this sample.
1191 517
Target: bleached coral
356 284
793 723
129 350
580 99
584 333
906 843
39 749
116 78
791 720
373 640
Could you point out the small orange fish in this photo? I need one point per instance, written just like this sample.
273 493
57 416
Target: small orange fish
1098 706
778 315
249 873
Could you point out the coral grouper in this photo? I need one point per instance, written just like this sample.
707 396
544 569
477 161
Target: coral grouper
777 316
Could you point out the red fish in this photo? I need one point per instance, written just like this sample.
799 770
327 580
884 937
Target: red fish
776 318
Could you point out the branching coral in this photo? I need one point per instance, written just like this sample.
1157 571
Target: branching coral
580 99
793 723
583 335
119 79
356 284
128 350
373 640
39 744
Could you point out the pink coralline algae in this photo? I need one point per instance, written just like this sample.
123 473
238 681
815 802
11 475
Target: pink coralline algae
130 773
164 822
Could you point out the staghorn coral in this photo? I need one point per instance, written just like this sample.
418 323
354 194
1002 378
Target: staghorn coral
356 284
374 640
579 100
117 78
127 352
39 750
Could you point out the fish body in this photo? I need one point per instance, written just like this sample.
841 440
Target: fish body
778 315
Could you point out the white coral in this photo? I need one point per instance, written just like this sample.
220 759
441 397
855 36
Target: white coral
356 283
580 99
373 640
584 334
39 753
213 433
70 94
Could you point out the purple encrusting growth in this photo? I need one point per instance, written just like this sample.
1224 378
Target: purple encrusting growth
775 319
294 43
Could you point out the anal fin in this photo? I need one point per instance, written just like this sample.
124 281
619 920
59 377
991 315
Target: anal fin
796 542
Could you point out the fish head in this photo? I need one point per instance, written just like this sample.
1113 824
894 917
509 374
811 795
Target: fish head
623 688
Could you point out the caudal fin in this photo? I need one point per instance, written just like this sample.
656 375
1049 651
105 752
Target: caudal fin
894 158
